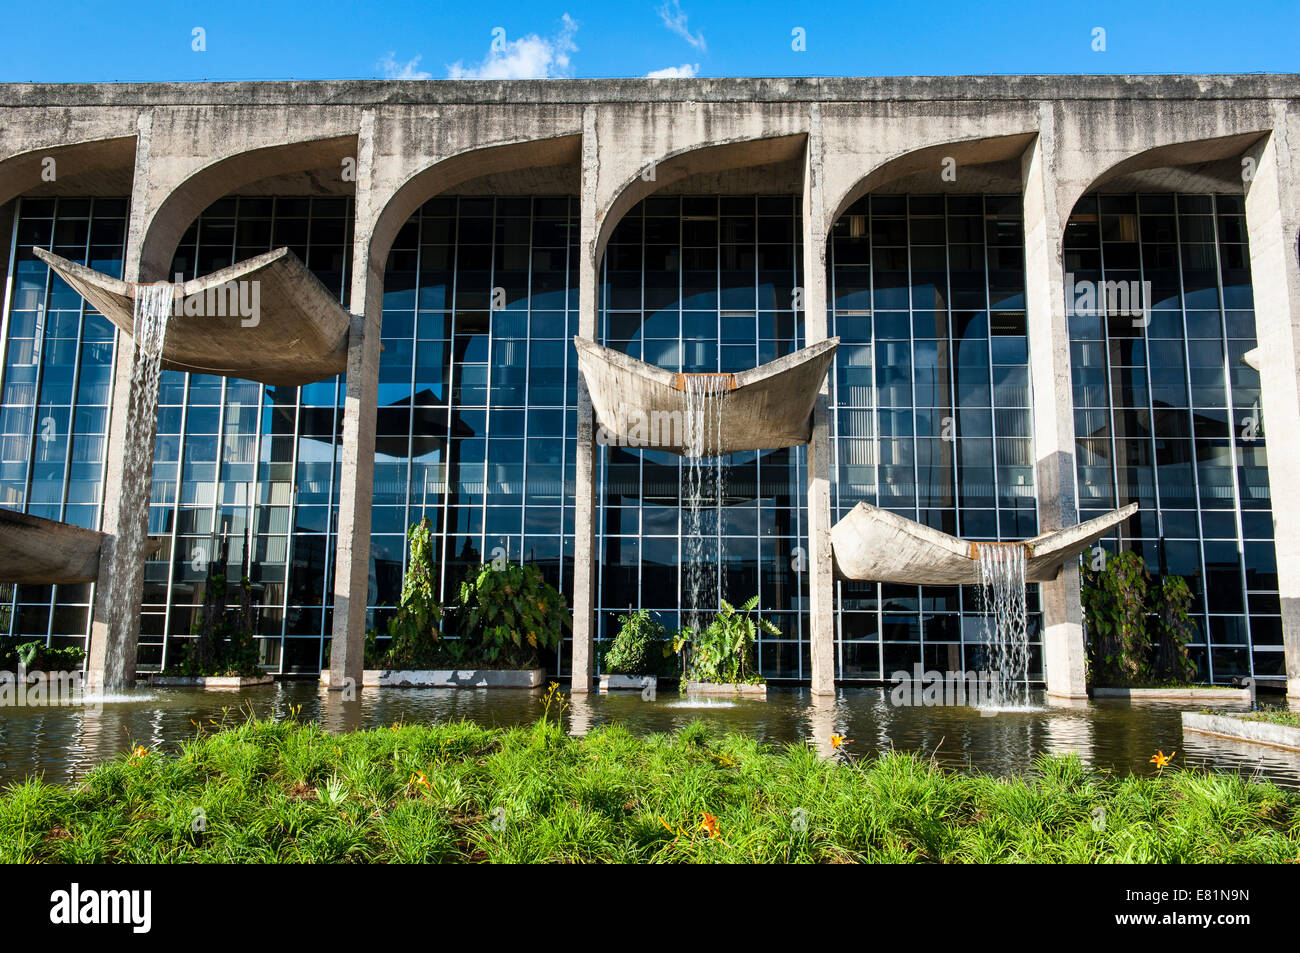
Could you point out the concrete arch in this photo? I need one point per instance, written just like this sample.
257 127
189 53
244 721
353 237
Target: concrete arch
88 167
693 160
1185 164
187 200
452 170
984 150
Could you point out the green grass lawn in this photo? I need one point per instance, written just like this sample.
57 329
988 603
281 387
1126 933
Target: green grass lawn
267 792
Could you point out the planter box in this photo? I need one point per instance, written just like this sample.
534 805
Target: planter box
1229 696
1239 729
209 681
629 683
449 678
724 688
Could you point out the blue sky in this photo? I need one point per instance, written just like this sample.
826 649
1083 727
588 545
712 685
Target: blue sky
94 42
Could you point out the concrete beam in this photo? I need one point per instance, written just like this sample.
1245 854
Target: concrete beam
298 333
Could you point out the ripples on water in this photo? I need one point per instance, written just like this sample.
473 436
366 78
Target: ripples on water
64 743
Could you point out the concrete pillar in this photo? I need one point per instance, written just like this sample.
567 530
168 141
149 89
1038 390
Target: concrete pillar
1273 223
124 514
1064 656
821 580
357 474
584 493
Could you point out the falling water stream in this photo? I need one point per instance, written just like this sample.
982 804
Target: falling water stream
153 307
1006 631
704 482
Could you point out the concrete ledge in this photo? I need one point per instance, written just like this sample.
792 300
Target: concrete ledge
1239 729
449 678
628 683
1210 695
724 688
209 681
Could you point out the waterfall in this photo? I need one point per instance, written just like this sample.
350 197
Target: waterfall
704 480
1002 592
153 307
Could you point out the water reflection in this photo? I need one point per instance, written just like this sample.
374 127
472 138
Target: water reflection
64 743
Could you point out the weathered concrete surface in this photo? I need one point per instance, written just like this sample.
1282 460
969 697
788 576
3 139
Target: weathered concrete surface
629 683
583 657
211 682
724 688
447 678
767 407
1238 729
877 545
40 551
1220 696
821 559
1273 223
298 333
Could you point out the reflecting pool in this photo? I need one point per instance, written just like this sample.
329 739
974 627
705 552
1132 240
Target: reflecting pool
61 744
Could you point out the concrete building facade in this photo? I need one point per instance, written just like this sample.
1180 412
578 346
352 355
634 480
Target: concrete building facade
945 230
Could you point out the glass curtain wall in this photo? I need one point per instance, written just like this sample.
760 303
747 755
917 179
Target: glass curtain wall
931 409
1167 414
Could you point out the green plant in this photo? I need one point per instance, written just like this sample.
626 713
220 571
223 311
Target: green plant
724 650
508 615
638 649
1119 603
291 792
35 656
413 631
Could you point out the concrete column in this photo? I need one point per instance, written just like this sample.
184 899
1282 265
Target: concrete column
1273 223
821 579
357 475
584 493
1064 656
124 514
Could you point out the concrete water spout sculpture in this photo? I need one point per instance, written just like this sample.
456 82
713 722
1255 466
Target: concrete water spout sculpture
265 319
640 405
877 545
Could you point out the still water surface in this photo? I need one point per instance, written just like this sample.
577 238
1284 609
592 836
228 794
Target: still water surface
61 744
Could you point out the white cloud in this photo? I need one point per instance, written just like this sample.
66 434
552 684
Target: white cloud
675 20
685 71
530 57
395 70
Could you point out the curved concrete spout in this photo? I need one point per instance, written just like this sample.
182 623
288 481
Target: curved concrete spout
265 319
880 546
643 406
40 552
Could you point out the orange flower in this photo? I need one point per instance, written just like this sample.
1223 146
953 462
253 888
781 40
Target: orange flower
140 751
709 824
837 740
1160 759
419 778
